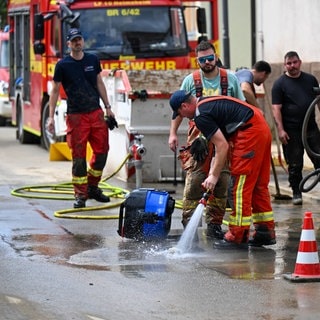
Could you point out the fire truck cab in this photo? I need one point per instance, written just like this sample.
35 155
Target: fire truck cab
129 35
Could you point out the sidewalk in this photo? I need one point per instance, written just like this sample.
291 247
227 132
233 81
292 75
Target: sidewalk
276 150
282 175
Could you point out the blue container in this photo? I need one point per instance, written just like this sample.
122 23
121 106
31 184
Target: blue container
146 214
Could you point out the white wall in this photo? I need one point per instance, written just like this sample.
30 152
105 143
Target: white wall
240 33
281 26
287 25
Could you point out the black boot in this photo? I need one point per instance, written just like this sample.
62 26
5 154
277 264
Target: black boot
79 203
215 231
262 237
297 197
228 245
96 193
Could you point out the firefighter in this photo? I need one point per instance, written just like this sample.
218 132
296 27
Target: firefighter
79 74
208 80
242 136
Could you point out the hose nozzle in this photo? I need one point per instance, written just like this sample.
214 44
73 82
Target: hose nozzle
205 197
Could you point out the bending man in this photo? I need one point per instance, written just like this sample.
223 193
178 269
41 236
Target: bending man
241 135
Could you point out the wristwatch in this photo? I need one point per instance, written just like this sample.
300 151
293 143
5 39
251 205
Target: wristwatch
108 106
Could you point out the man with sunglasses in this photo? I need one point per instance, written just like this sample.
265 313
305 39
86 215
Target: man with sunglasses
291 96
197 166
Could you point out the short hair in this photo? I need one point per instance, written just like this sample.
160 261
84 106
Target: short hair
205 45
291 54
262 66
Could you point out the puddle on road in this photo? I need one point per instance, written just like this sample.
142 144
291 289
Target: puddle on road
133 258
136 259
53 247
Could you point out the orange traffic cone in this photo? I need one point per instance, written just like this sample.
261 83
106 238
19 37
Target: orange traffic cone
307 264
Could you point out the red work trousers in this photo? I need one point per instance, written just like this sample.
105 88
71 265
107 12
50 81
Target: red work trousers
250 174
81 129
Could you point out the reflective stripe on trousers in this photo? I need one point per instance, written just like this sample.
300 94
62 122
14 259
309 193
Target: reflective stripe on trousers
81 129
250 173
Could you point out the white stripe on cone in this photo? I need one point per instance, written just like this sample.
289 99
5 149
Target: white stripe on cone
307 257
307 235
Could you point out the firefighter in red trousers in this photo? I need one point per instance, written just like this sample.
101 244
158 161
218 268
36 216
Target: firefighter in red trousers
242 136
79 74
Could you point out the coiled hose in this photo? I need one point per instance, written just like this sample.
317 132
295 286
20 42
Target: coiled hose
64 191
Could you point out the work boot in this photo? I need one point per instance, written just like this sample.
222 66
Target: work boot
96 193
79 203
297 198
215 231
235 238
262 237
229 245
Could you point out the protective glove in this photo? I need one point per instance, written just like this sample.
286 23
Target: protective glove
199 149
111 122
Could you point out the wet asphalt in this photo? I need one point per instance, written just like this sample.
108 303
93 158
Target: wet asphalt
59 267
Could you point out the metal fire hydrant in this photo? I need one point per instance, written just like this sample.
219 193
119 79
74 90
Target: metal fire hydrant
137 151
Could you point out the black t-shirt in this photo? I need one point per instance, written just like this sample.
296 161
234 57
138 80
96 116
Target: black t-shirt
79 80
295 95
225 114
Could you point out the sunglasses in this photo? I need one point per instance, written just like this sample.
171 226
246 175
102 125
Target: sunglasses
203 60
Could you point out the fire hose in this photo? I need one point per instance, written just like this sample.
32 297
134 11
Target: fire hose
64 191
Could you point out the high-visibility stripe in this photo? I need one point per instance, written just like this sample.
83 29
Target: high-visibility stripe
307 257
245 221
95 173
80 180
239 200
262 217
307 235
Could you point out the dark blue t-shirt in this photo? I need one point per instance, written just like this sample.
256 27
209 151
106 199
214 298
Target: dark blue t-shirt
295 95
224 114
79 80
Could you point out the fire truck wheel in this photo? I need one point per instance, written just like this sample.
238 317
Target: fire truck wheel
46 137
22 135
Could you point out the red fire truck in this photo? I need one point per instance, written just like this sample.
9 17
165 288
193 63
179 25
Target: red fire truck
5 108
126 34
